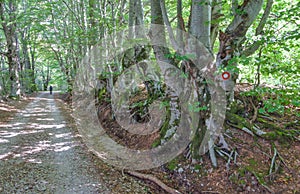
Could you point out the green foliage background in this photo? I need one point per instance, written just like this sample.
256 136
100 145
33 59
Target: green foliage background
58 33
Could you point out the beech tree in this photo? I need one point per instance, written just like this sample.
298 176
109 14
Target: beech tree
9 25
203 25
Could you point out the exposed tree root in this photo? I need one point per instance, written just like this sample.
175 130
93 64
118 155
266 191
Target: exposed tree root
228 156
275 166
154 180
261 183
241 123
246 126
255 111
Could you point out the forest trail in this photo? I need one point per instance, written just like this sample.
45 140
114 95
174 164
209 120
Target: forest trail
40 153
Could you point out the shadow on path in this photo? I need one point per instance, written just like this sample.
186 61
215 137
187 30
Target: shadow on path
39 153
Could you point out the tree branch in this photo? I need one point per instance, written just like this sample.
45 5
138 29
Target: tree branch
259 30
234 6
2 16
74 14
215 15
244 18
264 18
154 180
200 21
251 49
180 24
169 28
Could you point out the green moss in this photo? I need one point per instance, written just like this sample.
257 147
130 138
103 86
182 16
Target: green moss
101 94
164 128
156 143
242 171
198 167
253 168
196 145
172 164
270 136
252 162
242 182
259 176
234 178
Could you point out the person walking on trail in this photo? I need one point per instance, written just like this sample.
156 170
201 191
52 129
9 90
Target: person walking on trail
50 88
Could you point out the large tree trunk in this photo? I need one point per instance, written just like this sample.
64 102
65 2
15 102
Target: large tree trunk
3 91
28 80
211 87
9 27
229 42
208 86
158 33
28 75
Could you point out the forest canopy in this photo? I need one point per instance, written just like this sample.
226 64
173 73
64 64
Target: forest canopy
49 39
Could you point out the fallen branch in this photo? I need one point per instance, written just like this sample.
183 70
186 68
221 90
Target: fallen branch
210 192
154 180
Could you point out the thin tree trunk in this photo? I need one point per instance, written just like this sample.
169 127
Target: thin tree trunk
180 25
92 30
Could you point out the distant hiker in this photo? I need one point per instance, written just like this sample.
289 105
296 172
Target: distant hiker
50 88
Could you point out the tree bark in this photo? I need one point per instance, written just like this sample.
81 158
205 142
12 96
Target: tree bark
28 71
201 21
10 30
92 29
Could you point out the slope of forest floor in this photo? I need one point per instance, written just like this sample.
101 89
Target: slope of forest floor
267 163
261 165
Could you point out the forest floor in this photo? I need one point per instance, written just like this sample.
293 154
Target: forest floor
269 164
41 152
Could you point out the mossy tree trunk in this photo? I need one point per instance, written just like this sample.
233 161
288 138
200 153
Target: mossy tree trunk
230 45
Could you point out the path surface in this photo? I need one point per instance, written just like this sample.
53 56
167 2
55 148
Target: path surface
39 153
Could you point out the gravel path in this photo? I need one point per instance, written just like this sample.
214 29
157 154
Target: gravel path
40 153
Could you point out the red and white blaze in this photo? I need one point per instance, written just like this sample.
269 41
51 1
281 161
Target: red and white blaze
225 75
